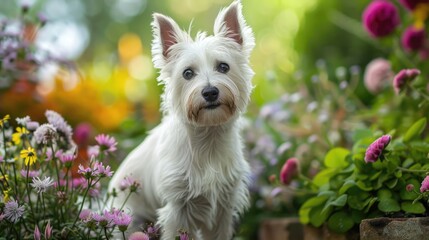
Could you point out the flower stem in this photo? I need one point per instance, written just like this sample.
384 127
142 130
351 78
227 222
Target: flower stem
81 205
126 199
413 171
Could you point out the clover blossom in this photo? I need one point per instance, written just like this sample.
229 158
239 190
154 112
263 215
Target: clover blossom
375 149
289 171
377 73
380 18
425 185
12 211
403 77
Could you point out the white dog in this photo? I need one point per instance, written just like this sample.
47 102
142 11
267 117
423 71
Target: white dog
191 167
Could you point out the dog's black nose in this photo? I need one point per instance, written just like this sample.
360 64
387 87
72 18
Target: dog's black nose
210 94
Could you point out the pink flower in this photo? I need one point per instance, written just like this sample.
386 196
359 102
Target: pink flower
48 230
380 18
377 73
31 174
101 170
106 143
86 172
404 77
122 220
373 152
130 183
413 39
412 4
289 171
409 187
425 185
93 151
139 236
36 233
82 133
85 215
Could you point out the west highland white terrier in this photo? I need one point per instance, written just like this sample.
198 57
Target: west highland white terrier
191 167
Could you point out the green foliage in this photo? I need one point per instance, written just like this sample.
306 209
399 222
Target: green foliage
372 189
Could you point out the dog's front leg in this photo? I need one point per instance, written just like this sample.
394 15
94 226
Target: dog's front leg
174 217
224 228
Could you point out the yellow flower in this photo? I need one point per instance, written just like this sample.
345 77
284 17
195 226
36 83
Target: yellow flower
29 156
4 120
421 12
16 137
2 178
6 195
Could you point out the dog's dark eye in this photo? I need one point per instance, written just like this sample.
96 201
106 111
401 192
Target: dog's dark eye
188 74
223 68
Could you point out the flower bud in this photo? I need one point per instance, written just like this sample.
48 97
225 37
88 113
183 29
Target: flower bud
403 77
373 152
425 185
289 171
409 187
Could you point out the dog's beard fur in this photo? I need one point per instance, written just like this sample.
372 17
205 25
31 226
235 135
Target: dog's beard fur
191 167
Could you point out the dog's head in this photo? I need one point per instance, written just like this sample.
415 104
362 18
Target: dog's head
207 79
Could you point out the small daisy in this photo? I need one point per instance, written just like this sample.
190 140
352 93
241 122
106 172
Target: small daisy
42 185
13 212
101 170
106 142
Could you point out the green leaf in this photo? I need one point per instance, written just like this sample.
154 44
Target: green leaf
392 183
318 215
304 211
410 207
323 176
371 202
347 184
359 134
415 130
362 185
384 194
340 222
408 162
336 158
336 202
388 205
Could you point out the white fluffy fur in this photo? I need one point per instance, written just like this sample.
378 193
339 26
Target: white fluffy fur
191 167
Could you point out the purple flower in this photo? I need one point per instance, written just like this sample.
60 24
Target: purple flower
106 143
412 4
93 151
139 236
373 152
413 39
130 183
31 174
67 159
404 77
32 125
425 185
12 211
101 220
380 18
82 133
86 172
377 74
289 171
183 235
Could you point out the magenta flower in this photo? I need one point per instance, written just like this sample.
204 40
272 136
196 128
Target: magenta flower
377 74
82 133
404 77
85 215
139 236
289 171
31 174
380 18
106 143
183 235
425 185
101 220
373 152
412 4
111 215
413 39
67 159
130 183
86 172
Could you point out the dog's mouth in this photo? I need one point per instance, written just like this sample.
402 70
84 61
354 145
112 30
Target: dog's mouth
212 106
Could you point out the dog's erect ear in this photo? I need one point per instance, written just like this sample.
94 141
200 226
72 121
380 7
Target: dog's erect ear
230 23
166 33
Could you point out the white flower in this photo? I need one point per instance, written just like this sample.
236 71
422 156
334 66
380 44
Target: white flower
23 121
59 123
45 133
42 185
